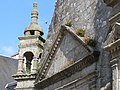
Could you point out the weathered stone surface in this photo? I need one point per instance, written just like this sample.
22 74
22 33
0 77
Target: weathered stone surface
75 82
30 49
26 85
69 51
93 16
61 50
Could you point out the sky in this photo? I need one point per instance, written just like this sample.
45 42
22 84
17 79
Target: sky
15 16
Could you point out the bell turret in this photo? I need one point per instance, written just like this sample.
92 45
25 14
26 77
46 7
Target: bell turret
30 50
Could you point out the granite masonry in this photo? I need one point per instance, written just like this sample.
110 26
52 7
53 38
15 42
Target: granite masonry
81 51
95 17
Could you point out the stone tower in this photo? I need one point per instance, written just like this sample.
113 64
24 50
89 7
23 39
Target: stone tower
30 49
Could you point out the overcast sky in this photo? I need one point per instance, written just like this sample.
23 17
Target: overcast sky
15 16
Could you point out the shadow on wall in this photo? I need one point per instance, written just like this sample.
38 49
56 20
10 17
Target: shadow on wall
102 29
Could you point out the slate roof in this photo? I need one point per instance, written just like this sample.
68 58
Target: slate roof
8 67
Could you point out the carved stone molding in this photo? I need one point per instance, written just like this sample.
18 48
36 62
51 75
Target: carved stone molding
24 76
114 19
66 72
113 48
111 3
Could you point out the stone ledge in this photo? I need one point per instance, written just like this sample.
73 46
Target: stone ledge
28 37
24 76
114 19
31 37
113 47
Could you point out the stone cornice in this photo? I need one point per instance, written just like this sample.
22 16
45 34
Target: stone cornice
32 37
114 62
47 62
28 37
114 19
86 78
24 76
111 3
79 65
113 47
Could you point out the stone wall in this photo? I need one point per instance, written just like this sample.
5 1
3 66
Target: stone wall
69 51
77 81
92 16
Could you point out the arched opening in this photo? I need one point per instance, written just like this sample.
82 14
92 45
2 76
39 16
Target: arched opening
32 32
28 57
40 55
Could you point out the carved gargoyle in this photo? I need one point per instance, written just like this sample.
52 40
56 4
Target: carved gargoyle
114 34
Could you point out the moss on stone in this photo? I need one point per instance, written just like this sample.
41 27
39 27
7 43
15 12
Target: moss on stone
80 32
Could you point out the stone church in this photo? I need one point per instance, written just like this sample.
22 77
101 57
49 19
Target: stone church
81 52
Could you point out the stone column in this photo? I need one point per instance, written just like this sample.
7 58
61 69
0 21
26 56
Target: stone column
20 66
34 65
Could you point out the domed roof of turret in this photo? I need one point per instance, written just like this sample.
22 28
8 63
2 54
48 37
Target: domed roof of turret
34 26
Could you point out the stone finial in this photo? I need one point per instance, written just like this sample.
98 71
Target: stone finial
34 13
35 5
